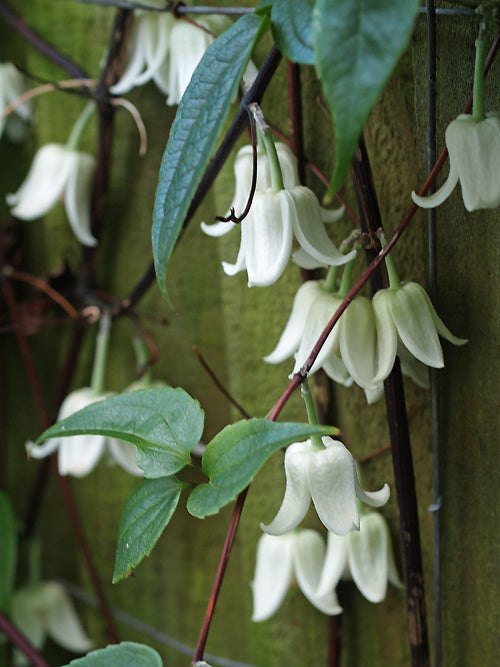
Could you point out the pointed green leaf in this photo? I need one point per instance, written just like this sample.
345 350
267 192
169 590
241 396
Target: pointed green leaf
8 552
144 518
126 654
164 424
236 454
200 117
291 25
357 46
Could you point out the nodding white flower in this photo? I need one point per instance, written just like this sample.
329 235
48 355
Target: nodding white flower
405 315
147 49
46 610
268 231
328 477
12 86
474 149
280 559
365 556
243 173
78 455
56 172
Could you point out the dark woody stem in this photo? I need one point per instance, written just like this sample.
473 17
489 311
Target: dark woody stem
399 434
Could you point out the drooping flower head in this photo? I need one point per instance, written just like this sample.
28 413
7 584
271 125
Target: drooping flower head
328 477
474 150
300 555
56 172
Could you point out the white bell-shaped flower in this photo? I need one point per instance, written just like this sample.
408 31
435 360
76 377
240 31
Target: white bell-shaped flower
405 316
12 86
280 559
57 172
46 610
243 173
328 477
147 50
366 556
77 455
267 234
474 150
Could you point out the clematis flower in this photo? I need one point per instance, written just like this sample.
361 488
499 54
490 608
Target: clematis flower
58 171
267 235
280 559
147 50
365 556
328 477
12 86
474 149
46 610
79 454
406 315
243 172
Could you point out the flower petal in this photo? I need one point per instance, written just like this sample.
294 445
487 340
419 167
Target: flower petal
156 45
137 57
26 614
240 264
331 475
441 328
412 367
217 229
309 557
290 338
335 368
297 497
267 235
273 574
415 325
305 261
368 556
77 197
79 454
309 230
331 214
62 622
437 198
44 184
357 338
387 337
320 313
335 563
40 451
372 498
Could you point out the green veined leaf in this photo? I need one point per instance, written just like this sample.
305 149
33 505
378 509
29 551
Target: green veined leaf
8 552
126 654
200 117
236 454
357 46
164 423
291 25
144 518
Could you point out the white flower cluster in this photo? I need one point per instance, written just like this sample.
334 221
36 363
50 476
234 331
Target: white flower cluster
363 344
366 557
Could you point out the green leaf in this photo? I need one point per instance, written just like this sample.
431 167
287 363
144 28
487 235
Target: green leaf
164 423
144 518
357 46
291 25
8 552
200 117
236 454
126 654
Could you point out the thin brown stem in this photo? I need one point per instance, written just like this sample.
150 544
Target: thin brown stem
219 384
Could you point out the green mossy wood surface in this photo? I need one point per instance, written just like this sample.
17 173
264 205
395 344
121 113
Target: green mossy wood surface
234 327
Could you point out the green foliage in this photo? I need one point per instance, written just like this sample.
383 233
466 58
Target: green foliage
356 47
144 518
237 453
8 552
291 26
126 654
200 117
164 423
